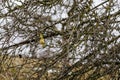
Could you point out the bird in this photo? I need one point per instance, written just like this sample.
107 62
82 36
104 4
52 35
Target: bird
42 41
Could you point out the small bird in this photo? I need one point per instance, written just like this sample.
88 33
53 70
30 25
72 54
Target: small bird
42 41
20 56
